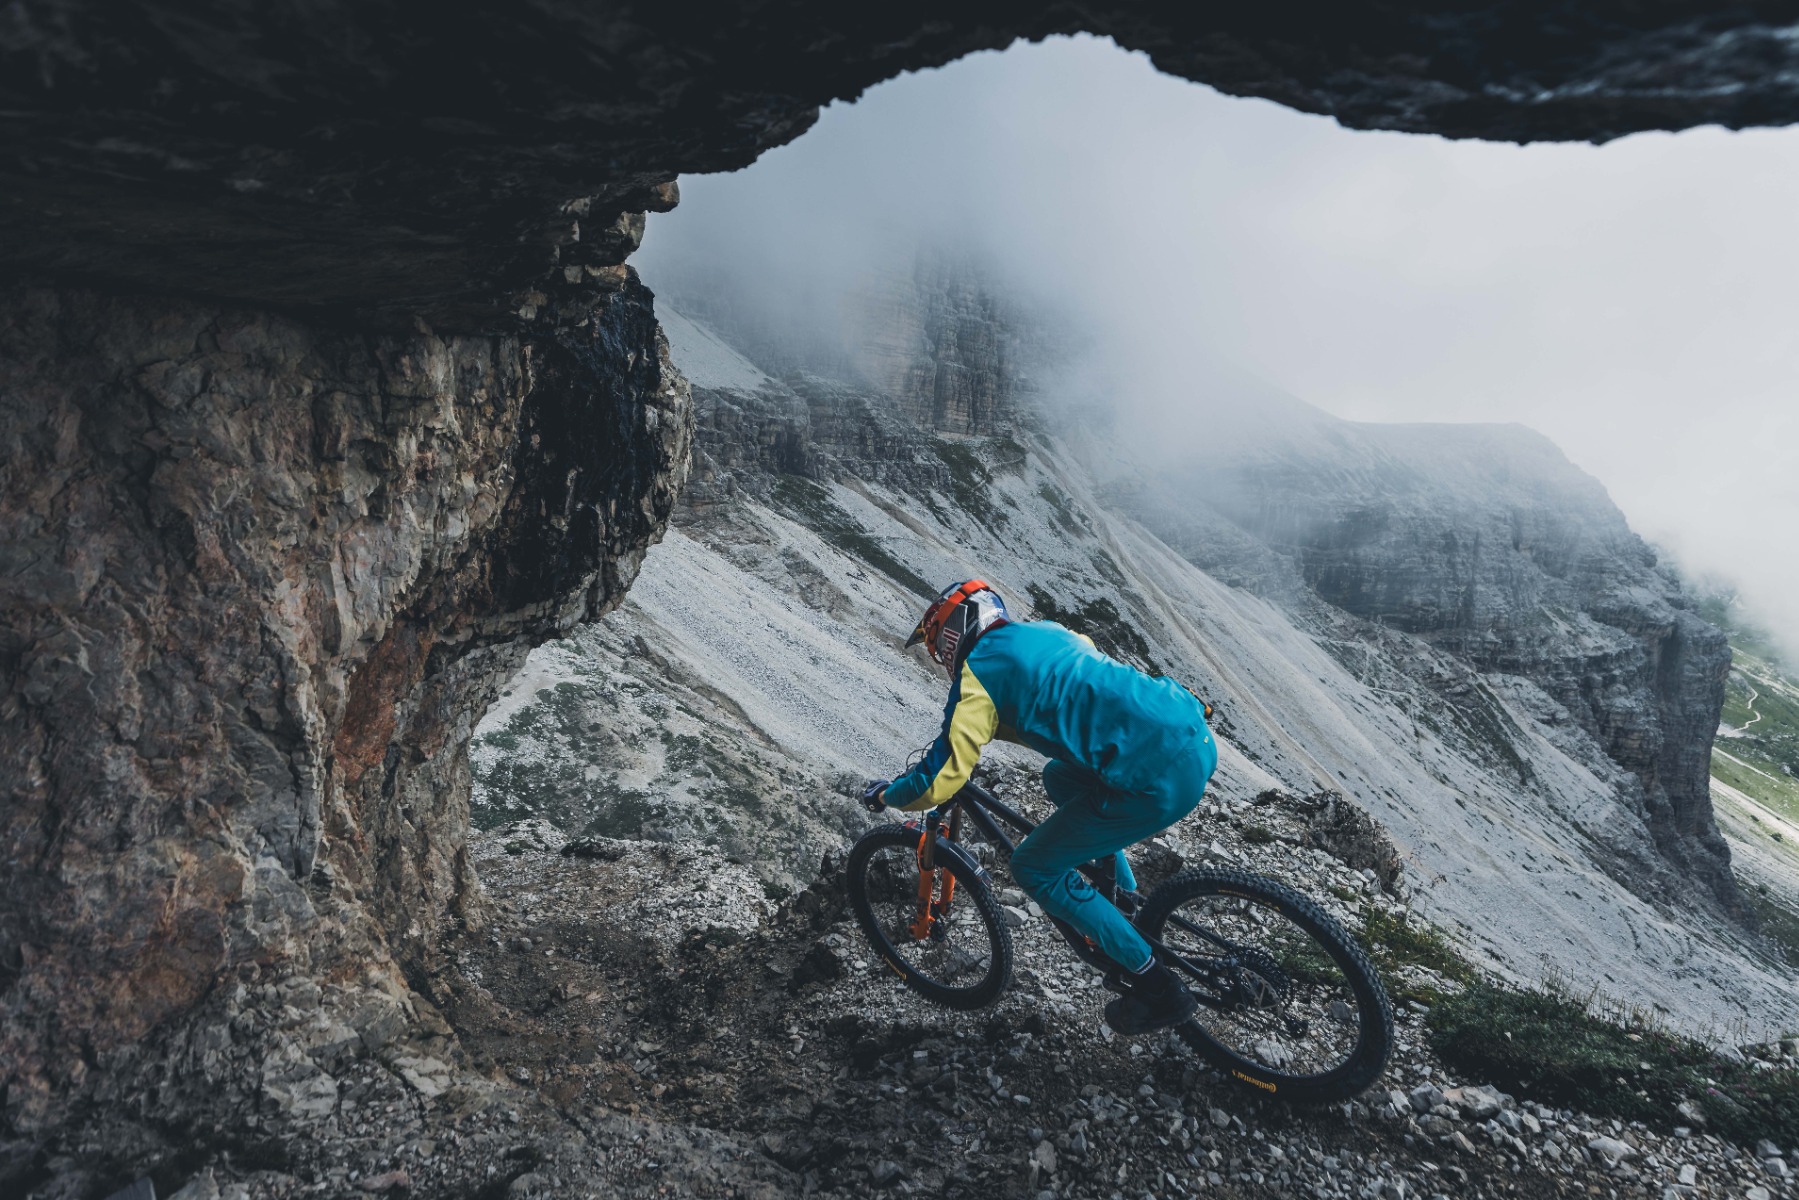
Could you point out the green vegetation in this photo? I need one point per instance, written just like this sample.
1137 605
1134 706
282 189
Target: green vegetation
970 481
1067 516
1760 759
1394 942
1755 775
1258 835
1100 620
1557 1047
809 503
1761 705
1552 1045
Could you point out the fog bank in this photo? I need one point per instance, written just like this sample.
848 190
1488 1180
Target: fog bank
1633 301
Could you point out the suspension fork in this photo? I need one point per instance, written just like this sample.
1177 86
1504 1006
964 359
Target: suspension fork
930 908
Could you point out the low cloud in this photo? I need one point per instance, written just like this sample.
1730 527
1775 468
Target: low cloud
1634 301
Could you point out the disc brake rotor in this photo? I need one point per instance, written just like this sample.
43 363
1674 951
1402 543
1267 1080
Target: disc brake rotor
1260 981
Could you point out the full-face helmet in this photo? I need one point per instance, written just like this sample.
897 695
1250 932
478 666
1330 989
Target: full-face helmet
956 618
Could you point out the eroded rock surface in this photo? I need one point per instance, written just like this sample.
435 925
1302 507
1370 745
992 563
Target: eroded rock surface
261 579
362 155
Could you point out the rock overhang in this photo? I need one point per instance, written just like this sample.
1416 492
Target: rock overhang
363 158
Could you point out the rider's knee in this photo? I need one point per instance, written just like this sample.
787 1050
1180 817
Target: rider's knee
1060 781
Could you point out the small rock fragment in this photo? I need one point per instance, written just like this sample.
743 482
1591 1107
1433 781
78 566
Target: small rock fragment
1611 1149
1425 1097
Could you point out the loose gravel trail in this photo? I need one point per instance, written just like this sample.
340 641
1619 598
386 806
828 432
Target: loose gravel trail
660 985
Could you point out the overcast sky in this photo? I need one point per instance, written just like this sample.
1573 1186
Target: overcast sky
1637 302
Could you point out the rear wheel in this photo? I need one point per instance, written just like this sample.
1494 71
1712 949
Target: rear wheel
965 960
1300 1011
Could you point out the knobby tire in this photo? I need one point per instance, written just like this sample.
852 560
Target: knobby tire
973 897
1375 1011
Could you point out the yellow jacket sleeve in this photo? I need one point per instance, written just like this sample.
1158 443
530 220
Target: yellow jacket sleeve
969 722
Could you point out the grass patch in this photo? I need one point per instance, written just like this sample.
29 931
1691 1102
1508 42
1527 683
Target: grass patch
1395 942
1761 701
1258 835
812 506
1756 776
1551 1045
970 481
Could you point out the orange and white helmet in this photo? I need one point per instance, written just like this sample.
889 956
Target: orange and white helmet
962 613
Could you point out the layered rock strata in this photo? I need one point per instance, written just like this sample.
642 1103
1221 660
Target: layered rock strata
1485 543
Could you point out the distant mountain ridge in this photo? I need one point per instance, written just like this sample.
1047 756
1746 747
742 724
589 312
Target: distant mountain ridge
1485 542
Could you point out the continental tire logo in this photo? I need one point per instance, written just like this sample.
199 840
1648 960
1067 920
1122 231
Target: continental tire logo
1250 1079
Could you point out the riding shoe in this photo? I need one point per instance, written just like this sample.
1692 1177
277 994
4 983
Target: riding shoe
1156 1000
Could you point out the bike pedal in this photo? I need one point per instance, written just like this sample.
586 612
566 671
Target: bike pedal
1114 982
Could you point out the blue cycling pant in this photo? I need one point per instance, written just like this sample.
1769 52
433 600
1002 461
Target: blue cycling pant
1093 819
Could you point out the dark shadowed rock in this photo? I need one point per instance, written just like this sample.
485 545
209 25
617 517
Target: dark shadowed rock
1348 834
363 156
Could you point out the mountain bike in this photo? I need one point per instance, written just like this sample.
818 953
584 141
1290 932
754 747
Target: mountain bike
1288 1001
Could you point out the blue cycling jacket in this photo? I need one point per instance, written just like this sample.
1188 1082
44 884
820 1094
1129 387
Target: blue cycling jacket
1047 688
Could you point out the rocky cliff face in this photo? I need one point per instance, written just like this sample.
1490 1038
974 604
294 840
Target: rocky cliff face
928 356
260 579
331 394
1487 544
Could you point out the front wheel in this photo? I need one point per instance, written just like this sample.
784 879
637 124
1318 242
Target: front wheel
1290 1004
964 959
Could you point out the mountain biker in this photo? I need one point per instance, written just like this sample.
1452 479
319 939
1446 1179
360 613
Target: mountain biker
1129 755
